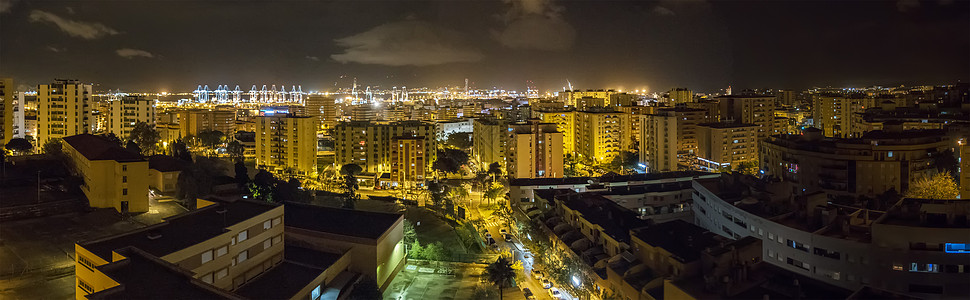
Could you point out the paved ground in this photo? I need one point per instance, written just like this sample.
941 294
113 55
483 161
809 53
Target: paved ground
422 283
37 255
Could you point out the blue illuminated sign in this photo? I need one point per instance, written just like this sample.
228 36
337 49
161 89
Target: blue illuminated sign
957 248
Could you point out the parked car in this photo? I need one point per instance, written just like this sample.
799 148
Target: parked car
536 274
528 293
546 284
504 231
554 292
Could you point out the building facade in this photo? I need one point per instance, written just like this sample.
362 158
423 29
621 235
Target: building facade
369 144
64 109
535 151
837 115
287 144
193 121
749 109
488 141
113 176
7 95
601 135
725 146
127 111
408 165
669 138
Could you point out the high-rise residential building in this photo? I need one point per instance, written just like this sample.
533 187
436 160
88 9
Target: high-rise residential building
19 122
193 121
7 95
369 144
680 95
669 138
634 130
129 110
113 176
408 165
364 112
535 150
601 134
488 141
870 165
64 109
565 120
836 114
287 144
323 108
785 98
725 146
749 109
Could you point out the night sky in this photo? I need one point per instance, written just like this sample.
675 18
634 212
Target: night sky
702 45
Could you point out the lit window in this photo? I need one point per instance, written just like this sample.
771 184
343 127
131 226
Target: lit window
268 224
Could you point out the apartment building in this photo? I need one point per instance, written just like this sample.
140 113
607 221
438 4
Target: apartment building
565 120
601 135
669 138
837 114
7 95
535 150
64 109
369 144
749 109
113 176
725 146
408 167
489 141
127 111
287 144
193 121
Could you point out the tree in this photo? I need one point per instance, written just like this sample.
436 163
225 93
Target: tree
460 140
410 233
53 147
450 161
623 161
145 136
210 139
19 146
179 150
494 170
493 192
111 136
747 168
500 274
290 190
196 179
350 172
937 186
242 173
133 147
235 150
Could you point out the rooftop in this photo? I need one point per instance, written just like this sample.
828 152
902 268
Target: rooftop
180 231
931 213
301 267
684 240
143 276
596 209
610 178
94 147
726 125
358 223
165 163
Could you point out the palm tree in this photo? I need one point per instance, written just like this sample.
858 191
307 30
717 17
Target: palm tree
501 274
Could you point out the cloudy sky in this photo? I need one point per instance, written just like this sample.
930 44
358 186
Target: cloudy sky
703 45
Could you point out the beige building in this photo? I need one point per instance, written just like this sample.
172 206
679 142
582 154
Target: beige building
837 115
324 108
870 165
601 134
408 167
6 110
125 112
575 97
758 110
369 144
535 151
163 172
489 141
680 95
64 110
964 176
565 120
669 138
785 98
287 144
724 146
113 176
193 121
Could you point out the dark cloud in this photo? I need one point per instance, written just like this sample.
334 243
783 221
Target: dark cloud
405 43
535 25
84 30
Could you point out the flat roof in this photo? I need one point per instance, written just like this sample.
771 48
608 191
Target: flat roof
301 267
596 209
680 238
180 231
611 177
358 223
143 276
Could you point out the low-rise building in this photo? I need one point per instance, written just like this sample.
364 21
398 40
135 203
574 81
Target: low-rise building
163 172
726 146
113 176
